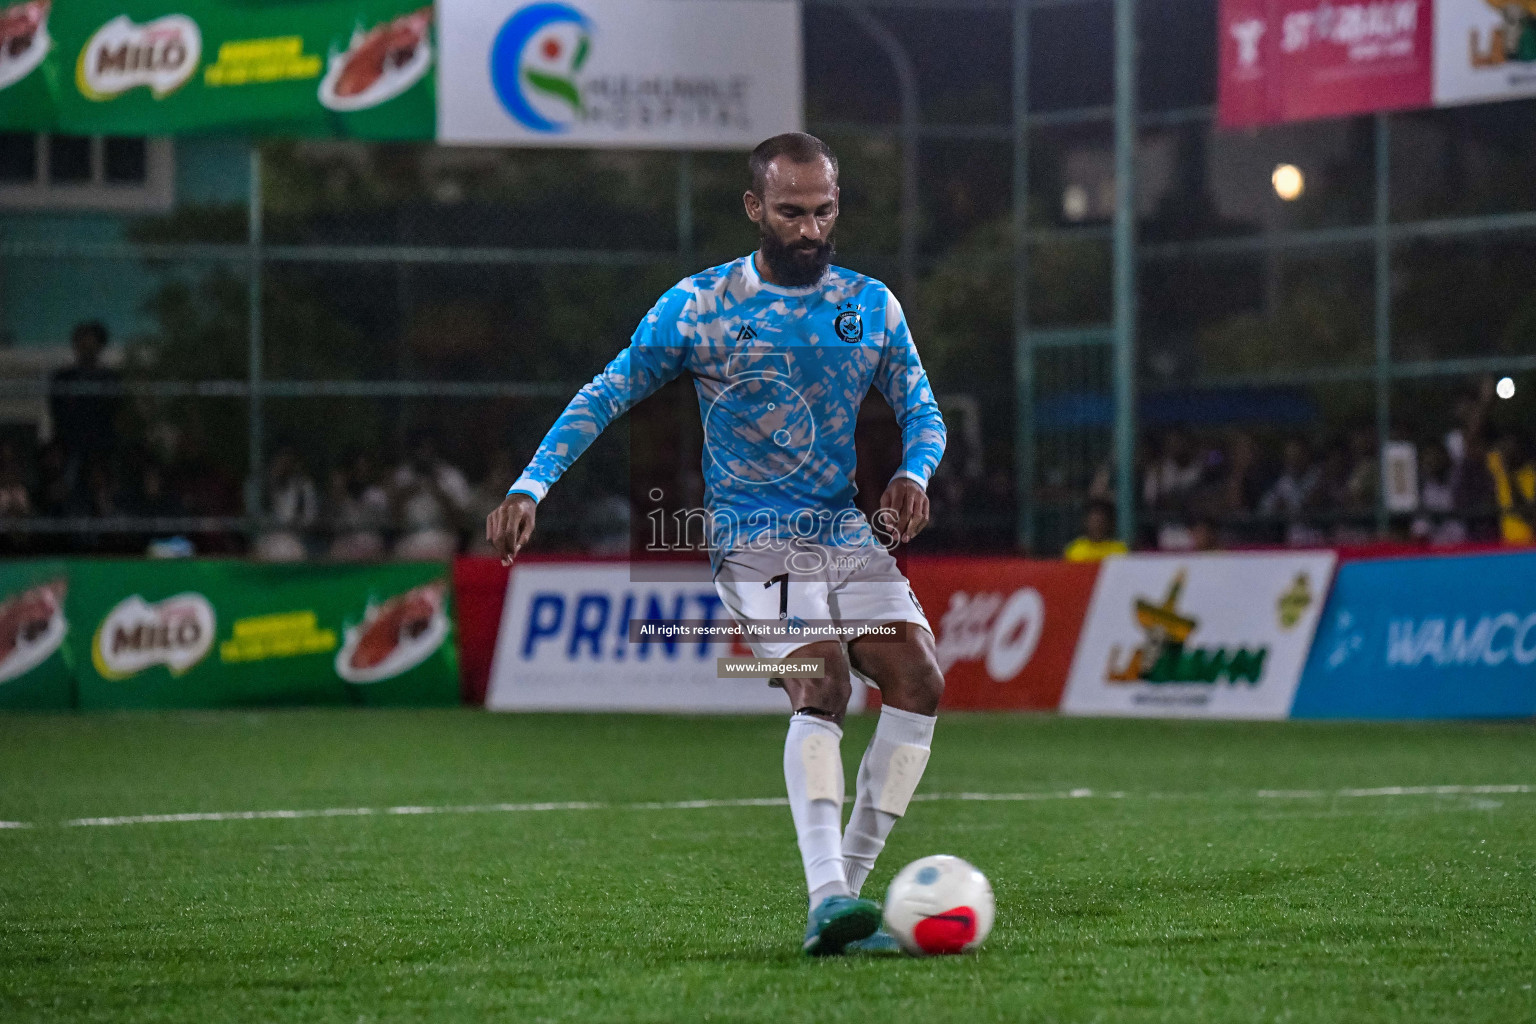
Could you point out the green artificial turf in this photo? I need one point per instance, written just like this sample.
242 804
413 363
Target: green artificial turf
1188 897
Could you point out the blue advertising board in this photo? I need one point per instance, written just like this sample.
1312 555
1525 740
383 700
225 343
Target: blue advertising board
1438 637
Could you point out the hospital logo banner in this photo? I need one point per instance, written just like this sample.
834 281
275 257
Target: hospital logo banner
1198 636
707 74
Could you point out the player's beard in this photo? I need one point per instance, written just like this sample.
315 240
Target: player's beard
796 266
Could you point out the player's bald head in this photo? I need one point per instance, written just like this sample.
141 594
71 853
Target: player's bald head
792 148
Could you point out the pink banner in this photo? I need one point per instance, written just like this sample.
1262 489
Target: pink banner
1291 60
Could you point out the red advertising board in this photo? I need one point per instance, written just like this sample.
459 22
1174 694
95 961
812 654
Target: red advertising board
1291 60
1006 628
479 589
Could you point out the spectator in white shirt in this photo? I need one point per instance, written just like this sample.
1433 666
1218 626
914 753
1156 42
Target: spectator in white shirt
359 511
1169 480
293 507
1294 494
430 498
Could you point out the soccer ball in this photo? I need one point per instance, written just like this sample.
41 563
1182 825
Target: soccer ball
939 905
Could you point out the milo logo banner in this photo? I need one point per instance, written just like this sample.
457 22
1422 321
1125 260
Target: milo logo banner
361 68
1212 636
35 670
215 634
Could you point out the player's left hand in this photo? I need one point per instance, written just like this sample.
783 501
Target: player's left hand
904 506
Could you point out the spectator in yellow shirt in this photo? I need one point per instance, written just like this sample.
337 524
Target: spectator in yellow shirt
1098 541
1514 482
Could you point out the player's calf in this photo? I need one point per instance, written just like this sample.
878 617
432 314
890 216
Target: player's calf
911 684
813 776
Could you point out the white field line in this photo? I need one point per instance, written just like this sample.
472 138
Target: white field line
1310 794
697 805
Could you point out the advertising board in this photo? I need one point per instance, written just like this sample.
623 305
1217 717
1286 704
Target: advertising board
1484 51
1005 628
1289 60
1198 636
1437 637
565 645
355 68
35 672
175 634
705 74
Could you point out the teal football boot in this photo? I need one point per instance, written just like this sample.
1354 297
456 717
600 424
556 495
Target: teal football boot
838 920
880 943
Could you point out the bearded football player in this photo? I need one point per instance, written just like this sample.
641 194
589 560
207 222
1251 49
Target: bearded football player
783 348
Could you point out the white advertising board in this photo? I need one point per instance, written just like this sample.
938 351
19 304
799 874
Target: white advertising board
1198 636
655 74
1483 52
564 645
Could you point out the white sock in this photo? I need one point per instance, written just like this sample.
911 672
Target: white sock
892 766
813 773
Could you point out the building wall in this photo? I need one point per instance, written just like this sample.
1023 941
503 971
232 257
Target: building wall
41 297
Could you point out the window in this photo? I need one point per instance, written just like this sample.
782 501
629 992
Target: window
79 172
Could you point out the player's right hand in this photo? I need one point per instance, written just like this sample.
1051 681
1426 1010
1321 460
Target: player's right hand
510 525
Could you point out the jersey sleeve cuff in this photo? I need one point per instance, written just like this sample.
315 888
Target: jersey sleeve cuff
907 474
529 486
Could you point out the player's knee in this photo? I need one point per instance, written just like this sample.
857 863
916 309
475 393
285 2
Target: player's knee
836 682
921 685
827 693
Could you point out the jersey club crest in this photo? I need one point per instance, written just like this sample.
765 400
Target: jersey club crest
849 324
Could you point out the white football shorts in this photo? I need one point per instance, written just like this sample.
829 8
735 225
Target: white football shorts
859 588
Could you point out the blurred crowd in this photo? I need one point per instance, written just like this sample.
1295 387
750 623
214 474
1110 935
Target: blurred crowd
163 495
1467 482
361 509
421 507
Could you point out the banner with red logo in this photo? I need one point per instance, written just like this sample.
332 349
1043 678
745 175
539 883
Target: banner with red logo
204 634
34 665
1005 628
345 68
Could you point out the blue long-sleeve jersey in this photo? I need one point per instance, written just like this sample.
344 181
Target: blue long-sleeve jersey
780 374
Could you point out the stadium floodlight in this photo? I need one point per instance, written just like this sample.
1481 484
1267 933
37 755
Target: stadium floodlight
1289 182
1074 202
1505 388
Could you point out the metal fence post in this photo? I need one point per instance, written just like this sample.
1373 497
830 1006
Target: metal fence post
1023 345
685 210
255 356
906 81
1125 267
1383 282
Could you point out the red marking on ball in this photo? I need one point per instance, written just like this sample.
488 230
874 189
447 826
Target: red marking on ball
551 48
947 932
